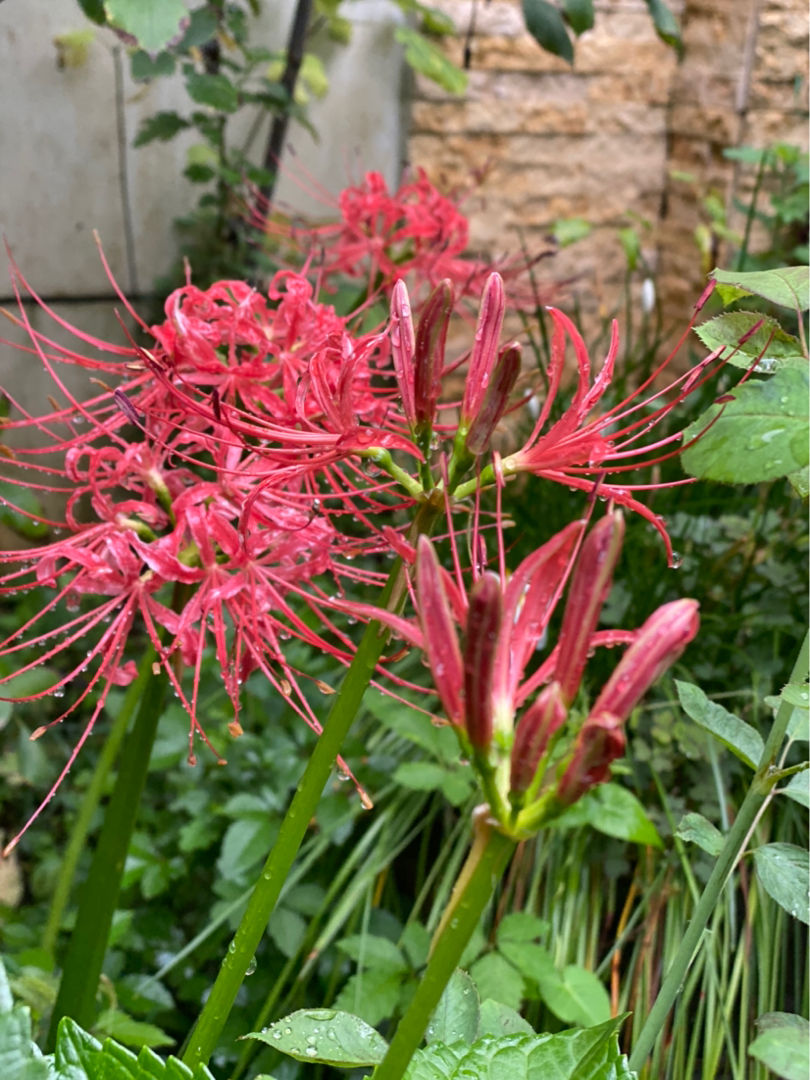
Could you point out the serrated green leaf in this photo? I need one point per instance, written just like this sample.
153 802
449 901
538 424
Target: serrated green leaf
545 24
215 91
578 15
783 1045
737 736
773 345
74 1045
784 871
126 1029
591 1054
665 23
521 926
374 995
429 60
498 980
163 126
372 951
614 811
696 829
325 1035
787 286
758 435
19 1057
455 1018
153 23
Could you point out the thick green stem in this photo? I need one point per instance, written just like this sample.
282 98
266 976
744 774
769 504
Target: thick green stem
482 871
99 896
92 797
761 787
205 1034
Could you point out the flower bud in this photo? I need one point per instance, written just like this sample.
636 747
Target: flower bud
403 346
431 335
495 399
480 648
441 643
589 589
659 643
599 742
485 348
545 716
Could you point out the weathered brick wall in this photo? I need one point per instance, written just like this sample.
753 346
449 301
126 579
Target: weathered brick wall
598 141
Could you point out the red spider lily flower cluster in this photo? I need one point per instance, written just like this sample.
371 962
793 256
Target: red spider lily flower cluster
219 485
478 643
383 236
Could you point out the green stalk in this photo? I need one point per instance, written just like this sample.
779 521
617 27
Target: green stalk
205 1034
765 777
92 797
485 864
99 896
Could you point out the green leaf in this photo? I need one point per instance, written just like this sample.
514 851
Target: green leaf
773 345
786 286
614 811
415 943
429 60
215 91
737 736
568 230
74 1046
665 23
246 842
163 126
532 961
758 435
6 1000
325 1035
578 14
696 829
94 10
287 929
545 24
144 67
576 997
591 1054
498 1019
374 995
118 1025
153 23
783 1045
521 926
19 1057
784 872
455 1018
798 788
800 482
371 951
430 776
498 980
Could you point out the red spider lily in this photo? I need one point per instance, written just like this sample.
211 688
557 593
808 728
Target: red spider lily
580 450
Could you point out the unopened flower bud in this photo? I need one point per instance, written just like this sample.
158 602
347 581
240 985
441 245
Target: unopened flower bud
441 643
403 346
599 742
480 648
540 721
589 589
659 643
495 399
431 335
485 348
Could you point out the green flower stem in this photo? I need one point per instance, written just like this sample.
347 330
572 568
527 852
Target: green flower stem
759 791
92 797
205 1034
482 871
99 896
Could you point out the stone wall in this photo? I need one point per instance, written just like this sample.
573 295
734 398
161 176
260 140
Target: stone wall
539 141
